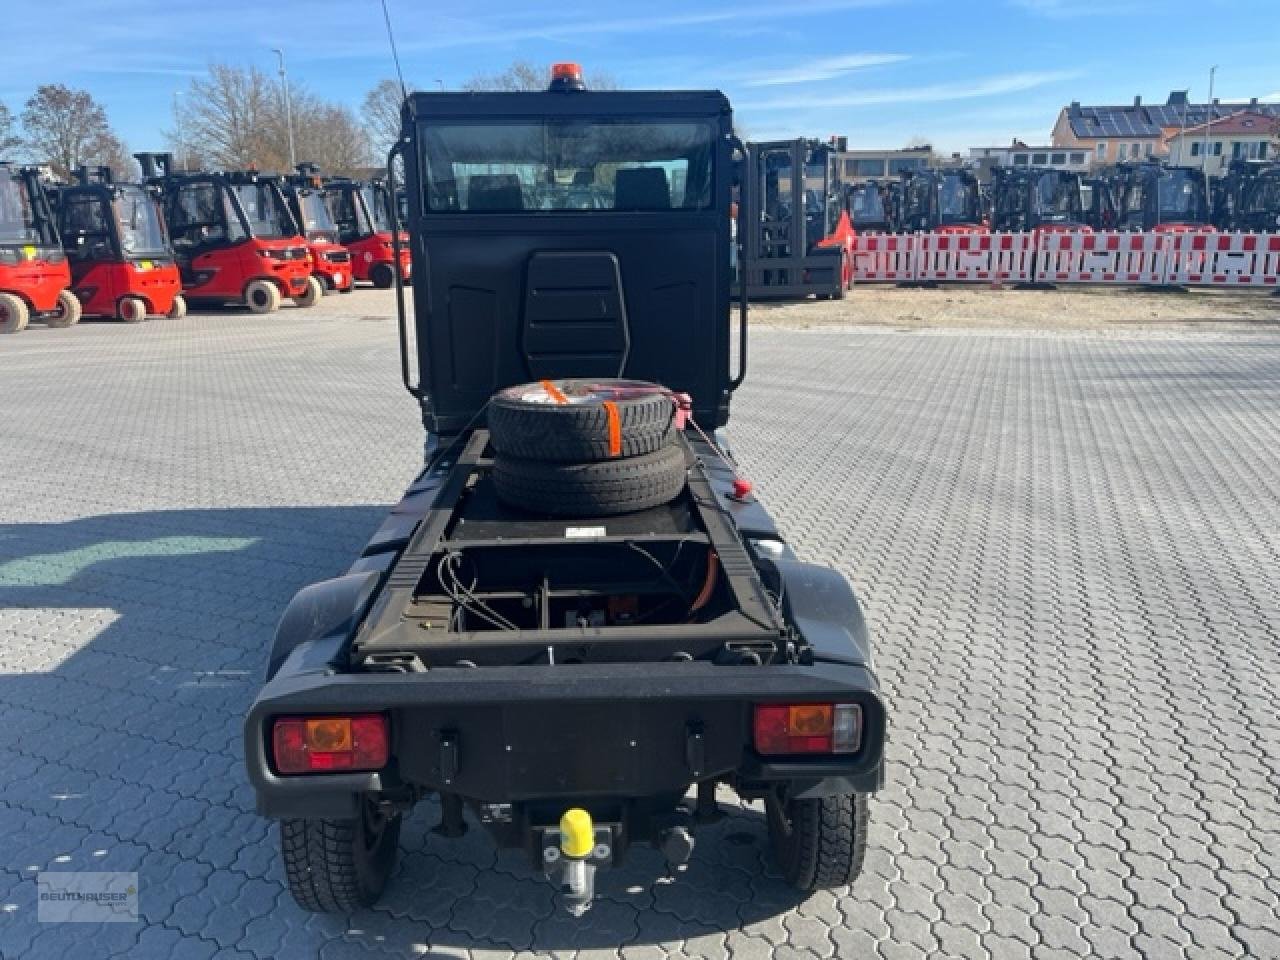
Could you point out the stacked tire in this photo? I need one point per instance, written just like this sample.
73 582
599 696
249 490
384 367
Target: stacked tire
585 448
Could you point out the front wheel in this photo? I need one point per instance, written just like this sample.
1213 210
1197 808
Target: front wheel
132 310
819 843
179 308
66 313
339 866
13 313
383 275
262 296
315 290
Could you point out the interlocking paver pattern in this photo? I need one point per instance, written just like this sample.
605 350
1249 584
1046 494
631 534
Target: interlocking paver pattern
1067 544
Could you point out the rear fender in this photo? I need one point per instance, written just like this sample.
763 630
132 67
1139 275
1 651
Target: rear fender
821 605
325 615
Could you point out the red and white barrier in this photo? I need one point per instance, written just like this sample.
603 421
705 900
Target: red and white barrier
953 257
1112 258
1106 258
884 258
1013 257
1223 259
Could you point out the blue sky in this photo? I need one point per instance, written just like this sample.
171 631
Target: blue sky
880 71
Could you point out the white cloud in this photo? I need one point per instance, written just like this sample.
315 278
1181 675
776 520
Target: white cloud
993 86
825 68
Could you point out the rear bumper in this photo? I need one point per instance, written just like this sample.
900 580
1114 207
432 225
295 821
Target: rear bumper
573 732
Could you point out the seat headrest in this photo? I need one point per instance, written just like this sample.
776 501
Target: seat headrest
641 188
494 191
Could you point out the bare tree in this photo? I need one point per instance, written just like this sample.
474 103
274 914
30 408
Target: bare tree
9 139
229 116
523 75
331 136
67 128
381 114
235 119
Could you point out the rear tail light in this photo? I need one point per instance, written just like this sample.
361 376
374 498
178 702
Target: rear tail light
329 744
796 728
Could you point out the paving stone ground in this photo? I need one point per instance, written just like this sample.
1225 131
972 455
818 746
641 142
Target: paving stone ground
1067 544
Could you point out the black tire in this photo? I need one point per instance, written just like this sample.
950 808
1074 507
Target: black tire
382 276
339 866
595 489
820 843
578 431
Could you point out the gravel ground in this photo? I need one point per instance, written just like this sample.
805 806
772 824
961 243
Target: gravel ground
1087 308
1066 543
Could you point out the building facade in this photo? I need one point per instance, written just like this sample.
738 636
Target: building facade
1139 131
1246 135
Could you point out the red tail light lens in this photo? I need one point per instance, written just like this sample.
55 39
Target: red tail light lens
329 744
800 728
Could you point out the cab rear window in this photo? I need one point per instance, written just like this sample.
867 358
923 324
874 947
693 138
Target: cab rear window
576 166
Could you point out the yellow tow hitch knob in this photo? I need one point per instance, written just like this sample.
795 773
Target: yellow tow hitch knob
577 834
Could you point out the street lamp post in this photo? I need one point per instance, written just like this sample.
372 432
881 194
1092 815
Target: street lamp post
288 106
1208 127
177 117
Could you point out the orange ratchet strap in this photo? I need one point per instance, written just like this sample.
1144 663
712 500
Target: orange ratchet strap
615 428
553 391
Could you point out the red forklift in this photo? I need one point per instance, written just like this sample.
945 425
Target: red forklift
35 279
1036 200
362 211
1161 199
942 201
114 236
331 262
233 237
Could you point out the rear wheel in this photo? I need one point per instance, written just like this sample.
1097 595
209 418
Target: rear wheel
262 296
179 308
13 313
132 310
315 290
67 312
382 275
819 843
339 866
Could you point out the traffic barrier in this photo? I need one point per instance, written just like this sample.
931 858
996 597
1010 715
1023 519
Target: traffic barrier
1223 259
884 258
953 257
1106 258
1013 257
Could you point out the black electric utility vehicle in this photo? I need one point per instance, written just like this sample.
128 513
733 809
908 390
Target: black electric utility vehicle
577 653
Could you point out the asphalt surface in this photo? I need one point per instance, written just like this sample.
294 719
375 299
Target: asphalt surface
1067 544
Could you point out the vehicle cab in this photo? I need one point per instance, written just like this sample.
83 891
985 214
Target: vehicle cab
1037 200
1163 199
114 235
942 201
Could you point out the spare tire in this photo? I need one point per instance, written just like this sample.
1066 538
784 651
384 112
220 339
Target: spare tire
594 488
572 421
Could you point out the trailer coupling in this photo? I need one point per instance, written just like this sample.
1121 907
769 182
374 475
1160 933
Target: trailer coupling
572 853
